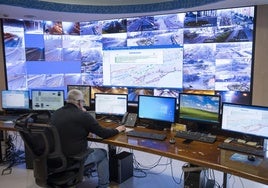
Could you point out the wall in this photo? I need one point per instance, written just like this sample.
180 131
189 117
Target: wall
260 89
260 63
2 72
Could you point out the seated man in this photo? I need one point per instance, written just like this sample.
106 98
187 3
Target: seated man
74 125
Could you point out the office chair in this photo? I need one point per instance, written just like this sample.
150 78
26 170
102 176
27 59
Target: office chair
51 167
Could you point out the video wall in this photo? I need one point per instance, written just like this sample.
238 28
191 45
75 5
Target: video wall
209 52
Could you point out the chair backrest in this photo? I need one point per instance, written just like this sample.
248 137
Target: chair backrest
43 142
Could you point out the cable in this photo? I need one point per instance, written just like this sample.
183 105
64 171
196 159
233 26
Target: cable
172 174
138 167
12 157
241 182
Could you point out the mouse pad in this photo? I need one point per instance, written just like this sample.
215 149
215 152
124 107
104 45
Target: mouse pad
244 159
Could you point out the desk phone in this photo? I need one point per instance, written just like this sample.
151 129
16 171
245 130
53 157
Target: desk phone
129 119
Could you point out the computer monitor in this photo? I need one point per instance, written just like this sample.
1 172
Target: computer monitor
200 108
15 100
49 100
245 119
86 90
110 104
160 111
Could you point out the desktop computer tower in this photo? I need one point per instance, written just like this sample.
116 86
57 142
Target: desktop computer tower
194 177
121 166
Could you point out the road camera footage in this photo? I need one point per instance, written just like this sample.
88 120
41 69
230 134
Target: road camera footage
192 51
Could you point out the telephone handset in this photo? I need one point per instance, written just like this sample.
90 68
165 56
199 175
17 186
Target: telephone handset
129 119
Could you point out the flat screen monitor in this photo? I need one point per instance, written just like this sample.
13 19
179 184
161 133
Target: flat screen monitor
202 108
15 100
86 90
161 110
245 119
111 104
49 100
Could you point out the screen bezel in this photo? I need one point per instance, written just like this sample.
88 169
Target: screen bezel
26 96
156 108
200 120
107 113
45 90
249 133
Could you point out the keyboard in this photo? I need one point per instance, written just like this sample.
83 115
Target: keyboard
242 149
197 136
141 134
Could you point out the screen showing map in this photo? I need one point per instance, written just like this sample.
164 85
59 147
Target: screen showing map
245 119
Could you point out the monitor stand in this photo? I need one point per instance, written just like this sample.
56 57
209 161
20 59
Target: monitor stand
157 125
110 119
106 120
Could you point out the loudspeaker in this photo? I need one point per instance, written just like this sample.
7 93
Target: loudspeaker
121 166
194 177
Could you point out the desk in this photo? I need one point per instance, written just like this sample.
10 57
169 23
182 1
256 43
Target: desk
197 153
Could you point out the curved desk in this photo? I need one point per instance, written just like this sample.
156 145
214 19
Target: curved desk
197 153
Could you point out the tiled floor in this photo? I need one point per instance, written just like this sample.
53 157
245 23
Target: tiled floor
23 178
166 174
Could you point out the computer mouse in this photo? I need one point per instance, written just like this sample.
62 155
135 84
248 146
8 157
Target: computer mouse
251 157
172 140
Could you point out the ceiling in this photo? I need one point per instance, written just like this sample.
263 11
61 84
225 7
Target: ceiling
87 10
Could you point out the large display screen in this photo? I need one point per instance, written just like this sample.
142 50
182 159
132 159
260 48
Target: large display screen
204 51
245 119
200 108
